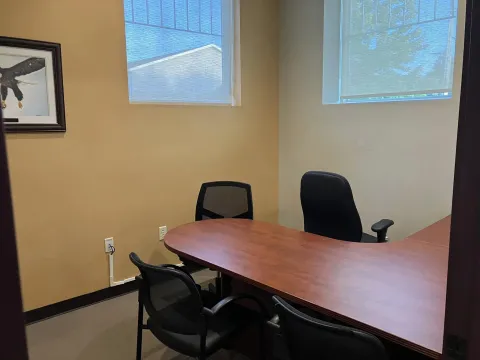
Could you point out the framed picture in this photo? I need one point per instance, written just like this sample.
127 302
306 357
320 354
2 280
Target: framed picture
31 85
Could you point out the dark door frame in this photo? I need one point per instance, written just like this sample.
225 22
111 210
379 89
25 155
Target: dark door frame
462 317
13 343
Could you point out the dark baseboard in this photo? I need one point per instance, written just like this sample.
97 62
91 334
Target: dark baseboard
61 307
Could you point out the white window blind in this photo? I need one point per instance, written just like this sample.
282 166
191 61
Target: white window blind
180 51
388 50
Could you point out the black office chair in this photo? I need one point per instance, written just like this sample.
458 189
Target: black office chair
219 200
329 209
185 318
310 338
224 199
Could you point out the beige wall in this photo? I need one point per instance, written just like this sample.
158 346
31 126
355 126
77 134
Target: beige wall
123 170
398 157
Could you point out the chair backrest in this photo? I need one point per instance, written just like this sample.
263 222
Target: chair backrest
328 206
224 199
310 338
170 297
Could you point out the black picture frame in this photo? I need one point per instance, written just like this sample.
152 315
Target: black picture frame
14 125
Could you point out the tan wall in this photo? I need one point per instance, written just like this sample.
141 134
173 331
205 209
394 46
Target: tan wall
123 170
398 157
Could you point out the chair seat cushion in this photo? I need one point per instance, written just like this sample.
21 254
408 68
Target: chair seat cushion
367 238
221 327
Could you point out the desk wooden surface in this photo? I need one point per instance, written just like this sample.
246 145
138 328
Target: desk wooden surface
394 290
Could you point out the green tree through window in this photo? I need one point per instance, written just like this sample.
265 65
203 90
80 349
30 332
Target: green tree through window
397 47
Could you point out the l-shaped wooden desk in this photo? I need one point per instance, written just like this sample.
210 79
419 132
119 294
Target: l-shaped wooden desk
394 290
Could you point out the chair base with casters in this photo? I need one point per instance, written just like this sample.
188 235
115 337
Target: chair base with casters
186 319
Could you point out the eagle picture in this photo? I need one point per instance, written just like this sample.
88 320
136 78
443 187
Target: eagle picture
8 78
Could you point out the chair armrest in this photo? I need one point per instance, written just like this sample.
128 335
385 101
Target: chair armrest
274 322
232 299
382 225
381 228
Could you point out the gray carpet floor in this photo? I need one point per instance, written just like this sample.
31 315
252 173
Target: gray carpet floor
103 331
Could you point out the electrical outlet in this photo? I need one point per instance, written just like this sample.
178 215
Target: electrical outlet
162 231
108 242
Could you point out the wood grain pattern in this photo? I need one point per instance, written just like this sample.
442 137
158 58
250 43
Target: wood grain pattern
436 234
394 290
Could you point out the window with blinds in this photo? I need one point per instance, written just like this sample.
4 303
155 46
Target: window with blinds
388 50
180 51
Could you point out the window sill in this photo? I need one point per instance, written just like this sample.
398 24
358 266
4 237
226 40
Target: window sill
216 104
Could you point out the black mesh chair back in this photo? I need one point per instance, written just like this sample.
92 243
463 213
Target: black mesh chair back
310 338
224 199
328 206
171 298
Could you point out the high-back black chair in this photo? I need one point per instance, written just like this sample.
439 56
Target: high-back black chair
329 209
185 318
310 338
224 199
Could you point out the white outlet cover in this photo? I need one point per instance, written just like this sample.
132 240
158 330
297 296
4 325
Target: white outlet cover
108 242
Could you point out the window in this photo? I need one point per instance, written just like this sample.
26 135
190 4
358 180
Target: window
388 50
181 51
